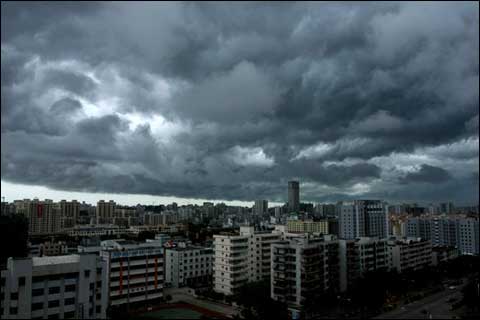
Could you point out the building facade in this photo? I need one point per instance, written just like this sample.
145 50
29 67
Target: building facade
188 266
135 271
460 232
105 212
360 256
410 254
308 226
293 196
241 258
62 287
302 269
363 218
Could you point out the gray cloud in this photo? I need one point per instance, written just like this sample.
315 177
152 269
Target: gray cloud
207 101
427 173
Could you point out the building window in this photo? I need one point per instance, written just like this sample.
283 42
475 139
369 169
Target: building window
69 315
37 306
37 292
70 288
13 310
53 316
53 290
69 301
21 281
98 309
87 273
14 296
53 303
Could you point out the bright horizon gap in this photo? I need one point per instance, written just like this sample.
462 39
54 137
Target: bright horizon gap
17 191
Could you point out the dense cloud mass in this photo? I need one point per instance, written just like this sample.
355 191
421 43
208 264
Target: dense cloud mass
230 101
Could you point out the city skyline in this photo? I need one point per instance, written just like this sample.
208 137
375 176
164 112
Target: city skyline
184 102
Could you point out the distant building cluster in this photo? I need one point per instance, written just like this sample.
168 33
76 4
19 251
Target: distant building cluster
82 260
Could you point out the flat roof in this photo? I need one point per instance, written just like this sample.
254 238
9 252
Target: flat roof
43 261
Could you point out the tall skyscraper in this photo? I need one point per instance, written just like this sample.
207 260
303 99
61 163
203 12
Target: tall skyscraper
293 196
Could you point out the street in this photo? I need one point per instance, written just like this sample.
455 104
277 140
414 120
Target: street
436 306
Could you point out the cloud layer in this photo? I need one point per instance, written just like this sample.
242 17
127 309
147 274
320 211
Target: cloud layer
230 101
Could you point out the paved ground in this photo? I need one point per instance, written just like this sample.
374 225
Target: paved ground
436 306
182 295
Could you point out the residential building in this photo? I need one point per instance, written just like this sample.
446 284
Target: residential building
69 213
361 255
308 226
105 211
303 268
61 287
188 265
241 258
43 216
410 254
363 218
456 231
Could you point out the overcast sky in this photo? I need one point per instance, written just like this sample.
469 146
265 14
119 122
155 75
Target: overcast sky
229 101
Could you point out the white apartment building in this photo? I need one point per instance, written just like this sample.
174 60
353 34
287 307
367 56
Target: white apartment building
135 271
241 258
61 287
410 254
188 265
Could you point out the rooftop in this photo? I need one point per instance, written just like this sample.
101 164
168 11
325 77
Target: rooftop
43 261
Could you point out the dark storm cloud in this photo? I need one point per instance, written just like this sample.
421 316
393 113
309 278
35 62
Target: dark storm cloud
426 173
229 101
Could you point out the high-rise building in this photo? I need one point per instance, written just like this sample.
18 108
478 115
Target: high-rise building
241 258
260 207
105 211
363 218
69 212
360 256
303 268
293 196
43 216
61 287
452 231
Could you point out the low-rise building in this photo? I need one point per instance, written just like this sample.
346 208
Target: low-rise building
135 271
308 226
61 287
188 265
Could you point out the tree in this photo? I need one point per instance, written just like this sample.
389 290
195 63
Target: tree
14 232
471 293
255 299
